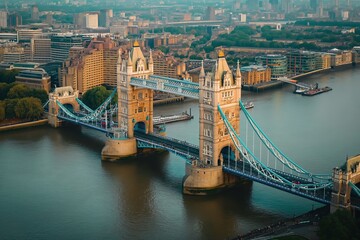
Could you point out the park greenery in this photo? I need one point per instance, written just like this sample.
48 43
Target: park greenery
94 97
339 225
18 101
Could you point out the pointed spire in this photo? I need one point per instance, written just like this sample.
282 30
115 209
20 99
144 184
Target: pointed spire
136 44
202 72
150 58
129 62
238 73
119 60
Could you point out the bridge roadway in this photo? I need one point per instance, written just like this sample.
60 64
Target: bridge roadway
240 169
179 147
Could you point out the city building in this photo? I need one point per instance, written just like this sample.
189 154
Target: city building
3 19
255 74
14 20
79 20
92 66
26 34
168 66
277 63
210 13
339 57
14 54
356 54
61 44
34 79
34 13
91 20
41 50
300 62
242 17
105 17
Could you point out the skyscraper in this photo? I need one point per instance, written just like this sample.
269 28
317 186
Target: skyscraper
34 13
105 16
91 20
61 44
3 19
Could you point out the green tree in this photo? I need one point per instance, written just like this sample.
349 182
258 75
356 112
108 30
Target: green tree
10 108
339 225
8 76
29 108
40 94
4 89
96 96
2 110
19 91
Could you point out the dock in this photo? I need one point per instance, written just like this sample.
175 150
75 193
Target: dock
158 120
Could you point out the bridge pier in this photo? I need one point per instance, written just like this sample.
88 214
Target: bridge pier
206 180
115 149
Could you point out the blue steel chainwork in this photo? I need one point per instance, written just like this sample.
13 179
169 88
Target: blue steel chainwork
275 151
251 167
305 184
355 188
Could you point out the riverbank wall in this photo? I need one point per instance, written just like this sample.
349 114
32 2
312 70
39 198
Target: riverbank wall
24 125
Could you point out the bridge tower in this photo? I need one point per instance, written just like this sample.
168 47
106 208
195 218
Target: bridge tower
135 105
341 193
64 95
219 87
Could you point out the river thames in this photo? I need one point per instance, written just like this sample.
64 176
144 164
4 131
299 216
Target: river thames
53 184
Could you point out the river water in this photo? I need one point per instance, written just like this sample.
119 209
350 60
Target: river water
53 184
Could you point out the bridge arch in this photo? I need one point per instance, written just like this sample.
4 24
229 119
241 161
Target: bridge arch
140 126
226 154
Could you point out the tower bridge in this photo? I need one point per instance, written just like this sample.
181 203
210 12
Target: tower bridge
223 155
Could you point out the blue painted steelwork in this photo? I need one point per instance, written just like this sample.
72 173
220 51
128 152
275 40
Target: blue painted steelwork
271 175
276 151
93 115
355 188
84 105
174 86
181 148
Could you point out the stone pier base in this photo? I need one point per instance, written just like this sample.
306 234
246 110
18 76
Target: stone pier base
54 121
115 149
206 180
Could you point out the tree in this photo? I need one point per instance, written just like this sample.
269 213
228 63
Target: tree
4 89
10 108
19 91
339 225
93 98
2 110
8 76
40 94
29 108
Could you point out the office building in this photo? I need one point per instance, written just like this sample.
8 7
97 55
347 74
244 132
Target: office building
210 13
61 44
303 62
34 79
25 35
168 66
41 50
34 13
105 17
3 19
14 54
277 63
91 20
92 66
255 74
79 20
14 20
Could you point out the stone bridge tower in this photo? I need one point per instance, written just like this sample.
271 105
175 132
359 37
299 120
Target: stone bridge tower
135 105
219 87
341 193
66 96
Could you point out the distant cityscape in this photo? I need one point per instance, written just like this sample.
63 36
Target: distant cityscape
78 43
